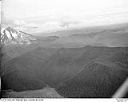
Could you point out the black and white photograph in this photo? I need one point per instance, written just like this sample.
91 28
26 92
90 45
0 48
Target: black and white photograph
64 49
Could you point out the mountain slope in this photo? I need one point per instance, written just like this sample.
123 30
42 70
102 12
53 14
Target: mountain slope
12 36
95 80
96 68
46 92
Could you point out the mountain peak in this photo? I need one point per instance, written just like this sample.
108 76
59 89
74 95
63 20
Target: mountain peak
10 35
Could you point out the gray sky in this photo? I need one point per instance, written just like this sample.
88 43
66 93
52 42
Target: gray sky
90 11
30 8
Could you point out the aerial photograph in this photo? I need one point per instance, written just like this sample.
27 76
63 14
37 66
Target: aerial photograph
64 49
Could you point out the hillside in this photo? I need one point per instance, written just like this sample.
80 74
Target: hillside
46 92
83 62
95 69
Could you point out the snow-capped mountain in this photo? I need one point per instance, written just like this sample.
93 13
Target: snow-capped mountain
12 36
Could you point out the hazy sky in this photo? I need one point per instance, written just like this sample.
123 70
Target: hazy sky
93 10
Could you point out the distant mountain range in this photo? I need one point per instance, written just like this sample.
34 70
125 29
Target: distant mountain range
10 35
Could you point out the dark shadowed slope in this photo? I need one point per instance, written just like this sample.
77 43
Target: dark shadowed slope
14 51
26 67
95 80
96 69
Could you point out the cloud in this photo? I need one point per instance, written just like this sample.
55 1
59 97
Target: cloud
78 10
